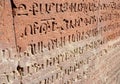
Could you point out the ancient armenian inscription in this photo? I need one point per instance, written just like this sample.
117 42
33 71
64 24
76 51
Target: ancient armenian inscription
60 41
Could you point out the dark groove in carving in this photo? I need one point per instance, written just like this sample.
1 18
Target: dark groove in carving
12 4
13 15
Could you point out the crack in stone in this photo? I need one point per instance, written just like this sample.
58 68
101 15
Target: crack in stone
13 4
13 15
19 69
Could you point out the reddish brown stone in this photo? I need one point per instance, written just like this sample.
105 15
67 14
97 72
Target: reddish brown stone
7 37
59 42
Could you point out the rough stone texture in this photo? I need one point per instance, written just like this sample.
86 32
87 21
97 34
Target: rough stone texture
59 42
7 38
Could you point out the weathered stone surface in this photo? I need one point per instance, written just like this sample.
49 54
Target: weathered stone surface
59 42
6 25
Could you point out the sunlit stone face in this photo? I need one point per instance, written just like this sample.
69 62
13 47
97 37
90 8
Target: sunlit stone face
59 41
2 3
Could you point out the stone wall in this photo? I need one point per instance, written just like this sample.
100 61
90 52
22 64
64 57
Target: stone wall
59 41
